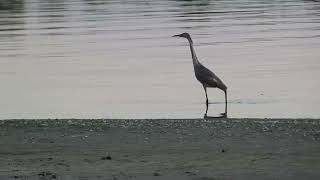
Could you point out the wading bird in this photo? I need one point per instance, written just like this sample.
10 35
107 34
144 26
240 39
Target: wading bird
206 77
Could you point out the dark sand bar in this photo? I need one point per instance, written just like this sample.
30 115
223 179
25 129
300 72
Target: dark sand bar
193 149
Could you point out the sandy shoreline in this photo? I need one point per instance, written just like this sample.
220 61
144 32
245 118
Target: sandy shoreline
194 149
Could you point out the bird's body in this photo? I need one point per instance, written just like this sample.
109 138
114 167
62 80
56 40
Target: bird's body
208 78
205 76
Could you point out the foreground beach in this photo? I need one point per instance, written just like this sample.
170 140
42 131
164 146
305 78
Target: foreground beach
194 149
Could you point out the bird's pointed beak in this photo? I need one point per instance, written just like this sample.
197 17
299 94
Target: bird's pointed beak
178 35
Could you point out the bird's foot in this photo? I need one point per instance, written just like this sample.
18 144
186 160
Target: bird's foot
223 114
205 115
213 117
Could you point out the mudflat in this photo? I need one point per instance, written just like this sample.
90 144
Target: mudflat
182 149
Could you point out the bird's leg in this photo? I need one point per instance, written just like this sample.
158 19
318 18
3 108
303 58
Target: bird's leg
207 104
226 102
205 90
205 115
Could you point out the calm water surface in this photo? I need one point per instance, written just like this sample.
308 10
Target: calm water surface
117 59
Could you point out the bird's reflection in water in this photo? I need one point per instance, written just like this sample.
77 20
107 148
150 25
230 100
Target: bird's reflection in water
221 115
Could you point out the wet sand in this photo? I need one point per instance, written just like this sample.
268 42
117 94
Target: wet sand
193 149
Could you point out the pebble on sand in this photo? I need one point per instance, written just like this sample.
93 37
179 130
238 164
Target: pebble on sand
106 157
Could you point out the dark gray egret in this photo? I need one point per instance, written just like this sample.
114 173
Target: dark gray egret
206 77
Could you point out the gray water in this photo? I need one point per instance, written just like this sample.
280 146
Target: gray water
118 59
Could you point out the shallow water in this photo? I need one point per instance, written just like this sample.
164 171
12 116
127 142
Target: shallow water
117 59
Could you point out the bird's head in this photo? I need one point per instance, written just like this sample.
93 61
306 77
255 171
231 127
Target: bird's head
185 35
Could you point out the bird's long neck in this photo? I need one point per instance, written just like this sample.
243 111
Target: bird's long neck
193 53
